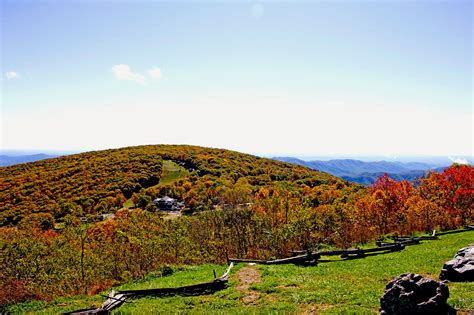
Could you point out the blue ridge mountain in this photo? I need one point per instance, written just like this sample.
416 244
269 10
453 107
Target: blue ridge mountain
7 160
366 173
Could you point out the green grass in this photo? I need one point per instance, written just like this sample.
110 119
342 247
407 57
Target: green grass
170 173
129 203
349 287
60 305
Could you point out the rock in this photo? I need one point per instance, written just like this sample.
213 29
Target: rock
166 271
414 294
461 267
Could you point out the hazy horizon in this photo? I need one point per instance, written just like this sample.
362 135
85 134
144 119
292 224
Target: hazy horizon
437 160
391 78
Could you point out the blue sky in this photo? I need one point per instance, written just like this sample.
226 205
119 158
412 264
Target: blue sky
289 77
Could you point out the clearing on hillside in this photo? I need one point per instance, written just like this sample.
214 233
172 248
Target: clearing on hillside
170 172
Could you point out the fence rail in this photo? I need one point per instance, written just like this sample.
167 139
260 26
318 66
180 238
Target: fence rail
117 299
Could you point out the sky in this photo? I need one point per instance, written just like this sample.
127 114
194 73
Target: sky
300 78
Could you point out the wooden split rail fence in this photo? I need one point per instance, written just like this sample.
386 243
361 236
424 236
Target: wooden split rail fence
308 257
116 299
312 258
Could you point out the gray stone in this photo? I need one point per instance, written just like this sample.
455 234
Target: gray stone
414 294
461 267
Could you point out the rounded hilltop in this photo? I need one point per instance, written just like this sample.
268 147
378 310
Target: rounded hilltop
99 182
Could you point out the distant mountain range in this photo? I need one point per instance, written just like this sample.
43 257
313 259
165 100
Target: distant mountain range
6 160
357 171
367 172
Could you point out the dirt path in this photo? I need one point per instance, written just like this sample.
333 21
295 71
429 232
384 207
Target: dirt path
247 276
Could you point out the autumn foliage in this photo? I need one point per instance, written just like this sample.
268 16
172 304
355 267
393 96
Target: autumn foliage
100 182
439 201
243 206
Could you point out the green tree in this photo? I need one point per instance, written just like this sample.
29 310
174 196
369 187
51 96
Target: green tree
143 201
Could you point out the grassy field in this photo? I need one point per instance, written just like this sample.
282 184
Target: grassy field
170 172
351 286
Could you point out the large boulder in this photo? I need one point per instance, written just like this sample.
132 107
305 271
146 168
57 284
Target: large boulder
414 294
461 267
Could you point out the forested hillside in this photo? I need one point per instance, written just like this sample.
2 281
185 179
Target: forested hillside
76 184
237 205
100 182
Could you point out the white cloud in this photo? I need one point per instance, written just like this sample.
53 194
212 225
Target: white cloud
257 10
123 72
458 160
12 75
155 73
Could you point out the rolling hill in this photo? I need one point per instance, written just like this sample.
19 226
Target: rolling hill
367 173
102 181
370 178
